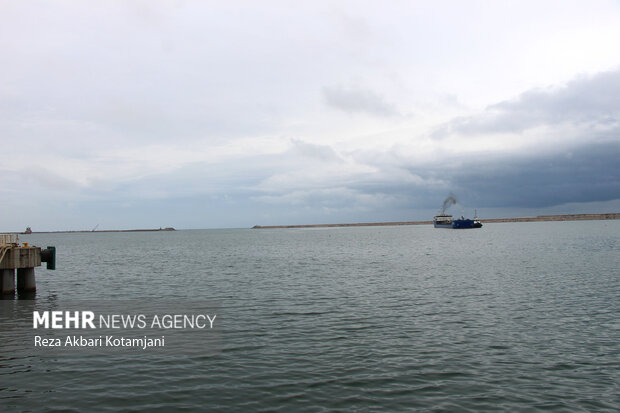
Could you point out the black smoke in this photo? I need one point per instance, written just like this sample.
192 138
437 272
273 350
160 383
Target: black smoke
448 202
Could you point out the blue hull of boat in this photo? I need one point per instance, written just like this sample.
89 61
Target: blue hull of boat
460 224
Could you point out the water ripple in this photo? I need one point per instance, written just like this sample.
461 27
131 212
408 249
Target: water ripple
513 317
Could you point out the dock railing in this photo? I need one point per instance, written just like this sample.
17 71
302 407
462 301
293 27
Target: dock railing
8 240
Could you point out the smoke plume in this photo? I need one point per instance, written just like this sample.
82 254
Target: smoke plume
448 202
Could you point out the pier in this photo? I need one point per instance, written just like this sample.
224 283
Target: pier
23 258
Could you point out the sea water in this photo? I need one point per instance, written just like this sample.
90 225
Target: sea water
512 316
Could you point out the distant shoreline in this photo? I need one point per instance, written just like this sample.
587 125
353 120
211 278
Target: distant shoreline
91 231
539 218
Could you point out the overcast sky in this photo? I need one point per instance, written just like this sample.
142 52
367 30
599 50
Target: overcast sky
210 114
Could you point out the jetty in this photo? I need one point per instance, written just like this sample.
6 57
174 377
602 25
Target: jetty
23 258
80 231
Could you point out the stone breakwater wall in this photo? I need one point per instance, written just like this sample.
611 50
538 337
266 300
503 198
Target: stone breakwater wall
358 224
539 218
567 217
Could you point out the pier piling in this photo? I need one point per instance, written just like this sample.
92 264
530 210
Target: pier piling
7 281
25 280
23 259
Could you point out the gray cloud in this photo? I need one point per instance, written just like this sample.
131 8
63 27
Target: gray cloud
587 173
310 150
354 100
587 101
38 178
205 195
582 169
164 113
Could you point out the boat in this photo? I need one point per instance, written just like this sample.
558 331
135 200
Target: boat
446 221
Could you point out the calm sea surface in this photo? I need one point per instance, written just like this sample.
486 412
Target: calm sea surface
512 317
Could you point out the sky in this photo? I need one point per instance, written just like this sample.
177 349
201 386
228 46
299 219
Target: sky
212 114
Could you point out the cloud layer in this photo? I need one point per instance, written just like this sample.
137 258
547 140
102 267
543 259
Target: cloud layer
211 114
358 100
587 101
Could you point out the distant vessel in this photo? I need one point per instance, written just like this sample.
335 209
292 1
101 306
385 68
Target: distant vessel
444 220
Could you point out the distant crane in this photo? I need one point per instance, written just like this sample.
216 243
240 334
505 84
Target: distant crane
94 229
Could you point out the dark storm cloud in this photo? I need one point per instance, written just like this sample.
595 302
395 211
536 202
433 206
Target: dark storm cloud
585 101
358 101
586 170
583 174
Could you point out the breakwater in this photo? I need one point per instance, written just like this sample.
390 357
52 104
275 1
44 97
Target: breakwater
97 231
539 218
